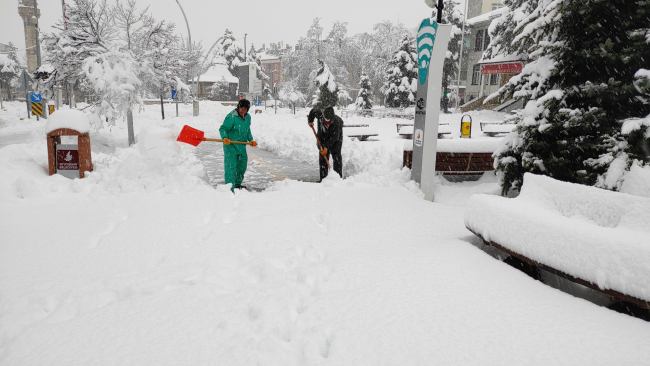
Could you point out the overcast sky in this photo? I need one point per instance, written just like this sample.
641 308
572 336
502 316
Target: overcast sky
265 22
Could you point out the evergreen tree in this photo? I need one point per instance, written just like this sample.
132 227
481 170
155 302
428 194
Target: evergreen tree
328 89
583 89
220 90
363 99
504 30
402 73
231 51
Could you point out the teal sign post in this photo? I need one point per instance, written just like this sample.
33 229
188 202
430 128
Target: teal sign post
432 42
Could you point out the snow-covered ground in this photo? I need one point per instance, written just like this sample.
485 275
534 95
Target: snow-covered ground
144 263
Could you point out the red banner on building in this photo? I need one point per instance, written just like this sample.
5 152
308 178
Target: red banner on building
508 68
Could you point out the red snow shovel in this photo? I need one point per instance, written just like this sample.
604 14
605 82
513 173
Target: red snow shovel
194 137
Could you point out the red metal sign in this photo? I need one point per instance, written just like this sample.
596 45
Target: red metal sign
509 68
67 159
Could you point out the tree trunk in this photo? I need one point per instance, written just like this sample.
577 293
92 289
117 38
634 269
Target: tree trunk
162 108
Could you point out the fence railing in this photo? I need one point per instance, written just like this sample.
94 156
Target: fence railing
407 113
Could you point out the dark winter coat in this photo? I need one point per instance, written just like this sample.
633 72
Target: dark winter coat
328 136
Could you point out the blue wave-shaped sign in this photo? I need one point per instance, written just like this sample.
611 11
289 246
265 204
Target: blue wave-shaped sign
426 37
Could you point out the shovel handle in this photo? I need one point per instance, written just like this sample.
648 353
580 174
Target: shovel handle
320 146
231 141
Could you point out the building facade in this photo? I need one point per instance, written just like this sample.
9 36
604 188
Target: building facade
272 67
485 77
479 7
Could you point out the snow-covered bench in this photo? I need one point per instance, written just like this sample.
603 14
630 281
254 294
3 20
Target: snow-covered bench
599 238
407 131
496 128
360 133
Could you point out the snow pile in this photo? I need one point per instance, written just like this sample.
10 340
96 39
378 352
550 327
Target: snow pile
142 263
636 181
590 233
68 118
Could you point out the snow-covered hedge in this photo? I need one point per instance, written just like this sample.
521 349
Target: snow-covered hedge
590 233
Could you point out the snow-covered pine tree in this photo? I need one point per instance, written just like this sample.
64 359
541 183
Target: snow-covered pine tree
364 100
231 51
451 15
220 90
504 30
402 73
581 86
327 86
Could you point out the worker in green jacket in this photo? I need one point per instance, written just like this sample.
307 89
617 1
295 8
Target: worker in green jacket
236 127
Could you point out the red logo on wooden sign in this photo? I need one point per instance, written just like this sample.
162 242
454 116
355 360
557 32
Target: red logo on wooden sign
67 159
509 68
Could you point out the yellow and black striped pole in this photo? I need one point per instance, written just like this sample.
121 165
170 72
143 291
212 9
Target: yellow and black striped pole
37 109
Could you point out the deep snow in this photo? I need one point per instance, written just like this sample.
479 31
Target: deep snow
144 263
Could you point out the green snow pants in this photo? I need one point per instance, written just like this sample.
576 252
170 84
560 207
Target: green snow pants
235 166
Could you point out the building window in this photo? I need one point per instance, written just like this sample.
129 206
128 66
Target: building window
494 79
478 45
476 74
487 40
496 6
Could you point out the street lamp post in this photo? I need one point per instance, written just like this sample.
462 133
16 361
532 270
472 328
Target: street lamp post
189 35
439 7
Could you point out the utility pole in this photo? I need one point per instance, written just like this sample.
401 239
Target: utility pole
245 34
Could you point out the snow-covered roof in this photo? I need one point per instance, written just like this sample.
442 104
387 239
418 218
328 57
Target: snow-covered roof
268 56
216 73
68 118
487 16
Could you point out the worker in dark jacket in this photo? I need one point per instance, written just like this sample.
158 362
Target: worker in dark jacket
330 135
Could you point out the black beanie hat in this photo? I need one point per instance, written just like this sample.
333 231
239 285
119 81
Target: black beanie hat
328 113
244 103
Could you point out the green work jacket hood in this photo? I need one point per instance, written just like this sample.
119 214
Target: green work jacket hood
237 129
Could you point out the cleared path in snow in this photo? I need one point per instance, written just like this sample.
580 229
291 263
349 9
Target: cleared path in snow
264 167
